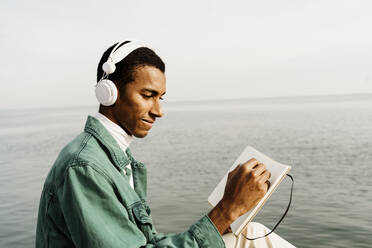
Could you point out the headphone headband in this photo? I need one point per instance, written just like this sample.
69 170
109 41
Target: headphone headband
106 91
118 54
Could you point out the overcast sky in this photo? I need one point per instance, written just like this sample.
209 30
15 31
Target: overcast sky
212 49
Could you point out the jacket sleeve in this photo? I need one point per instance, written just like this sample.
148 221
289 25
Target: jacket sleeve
201 234
96 218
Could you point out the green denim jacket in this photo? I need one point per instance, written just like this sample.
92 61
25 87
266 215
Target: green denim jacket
87 200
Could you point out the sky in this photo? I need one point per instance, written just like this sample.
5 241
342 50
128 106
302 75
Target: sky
212 49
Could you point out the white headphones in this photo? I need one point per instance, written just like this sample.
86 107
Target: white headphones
106 91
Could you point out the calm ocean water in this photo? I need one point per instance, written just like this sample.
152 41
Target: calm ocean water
327 140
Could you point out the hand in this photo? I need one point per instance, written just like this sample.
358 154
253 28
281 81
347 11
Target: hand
228 230
245 187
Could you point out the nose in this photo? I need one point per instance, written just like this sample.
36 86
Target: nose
156 109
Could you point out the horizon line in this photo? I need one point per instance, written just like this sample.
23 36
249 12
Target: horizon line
366 94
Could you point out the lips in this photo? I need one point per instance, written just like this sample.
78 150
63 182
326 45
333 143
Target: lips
148 123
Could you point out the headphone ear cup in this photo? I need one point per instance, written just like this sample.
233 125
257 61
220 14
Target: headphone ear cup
106 92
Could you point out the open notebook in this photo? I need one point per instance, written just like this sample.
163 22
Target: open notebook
278 172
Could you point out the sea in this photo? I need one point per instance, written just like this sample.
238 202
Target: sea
326 139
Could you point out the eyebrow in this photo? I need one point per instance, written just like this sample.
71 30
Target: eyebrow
153 91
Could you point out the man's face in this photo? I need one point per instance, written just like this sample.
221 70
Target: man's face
138 104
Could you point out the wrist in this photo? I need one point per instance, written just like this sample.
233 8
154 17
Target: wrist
221 217
225 208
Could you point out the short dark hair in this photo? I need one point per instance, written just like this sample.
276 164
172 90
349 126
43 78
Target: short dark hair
124 72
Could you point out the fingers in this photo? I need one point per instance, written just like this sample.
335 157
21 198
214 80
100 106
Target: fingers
259 169
268 185
250 164
255 168
265 176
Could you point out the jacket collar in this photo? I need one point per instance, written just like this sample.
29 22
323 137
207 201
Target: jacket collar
121 159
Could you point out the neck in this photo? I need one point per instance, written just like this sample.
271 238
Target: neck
109 113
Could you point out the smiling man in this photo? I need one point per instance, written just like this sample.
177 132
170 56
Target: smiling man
95 193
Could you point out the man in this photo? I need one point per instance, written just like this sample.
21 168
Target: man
95 193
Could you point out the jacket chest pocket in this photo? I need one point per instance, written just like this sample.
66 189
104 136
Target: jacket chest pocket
143 219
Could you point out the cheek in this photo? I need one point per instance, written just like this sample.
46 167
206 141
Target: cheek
139 108
142 106
135 107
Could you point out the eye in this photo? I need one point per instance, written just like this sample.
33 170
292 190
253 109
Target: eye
146 96
161 98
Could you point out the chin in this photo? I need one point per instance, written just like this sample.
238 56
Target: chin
140 134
